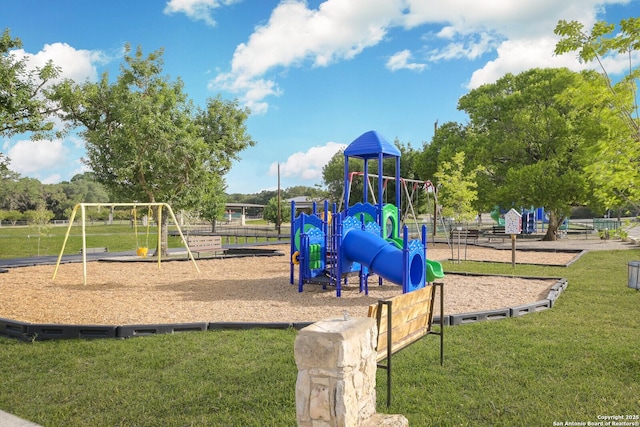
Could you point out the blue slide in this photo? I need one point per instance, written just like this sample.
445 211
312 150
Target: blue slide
381 257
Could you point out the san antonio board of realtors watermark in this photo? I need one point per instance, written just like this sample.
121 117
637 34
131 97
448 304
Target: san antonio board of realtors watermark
604 421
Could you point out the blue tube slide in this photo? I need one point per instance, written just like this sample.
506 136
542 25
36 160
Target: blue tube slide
381 257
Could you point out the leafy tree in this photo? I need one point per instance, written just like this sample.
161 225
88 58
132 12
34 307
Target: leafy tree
595 45
55 200
263 197
84 188
13 216
4 165
213 203
333 175
24 106
614 170
456 192
448 139
22 194
7 180
271 211
145 139
526 138
315 193
41 220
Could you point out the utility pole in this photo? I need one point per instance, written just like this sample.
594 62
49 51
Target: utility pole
435 195
279 209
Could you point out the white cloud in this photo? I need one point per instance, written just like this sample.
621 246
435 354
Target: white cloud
197 10
30 157
76 141
52 179
252 91
515 56
517 34
469 47
307 165
296 35
76 64
401 60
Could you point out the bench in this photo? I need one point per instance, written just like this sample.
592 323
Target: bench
497 232
403 320
464 235
94 250
198 244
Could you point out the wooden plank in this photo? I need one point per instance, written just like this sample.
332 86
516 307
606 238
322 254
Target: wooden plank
410 319
405 315
405 307
412 297
373 311
382 354
415 328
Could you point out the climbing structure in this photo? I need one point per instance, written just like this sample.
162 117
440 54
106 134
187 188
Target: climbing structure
329 246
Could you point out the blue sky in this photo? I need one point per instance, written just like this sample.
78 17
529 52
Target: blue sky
316 74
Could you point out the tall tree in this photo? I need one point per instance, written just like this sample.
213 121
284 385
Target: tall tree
24 106
333 175
614 169
271 212
213 202
145 139
602 41
457 189
21 194
531 151
447 140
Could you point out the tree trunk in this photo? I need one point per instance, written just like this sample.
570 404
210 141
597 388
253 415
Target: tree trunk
552 229
551 232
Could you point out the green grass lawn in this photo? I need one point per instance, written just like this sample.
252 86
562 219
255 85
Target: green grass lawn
16 242
569 364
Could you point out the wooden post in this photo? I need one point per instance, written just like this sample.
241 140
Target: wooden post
513 226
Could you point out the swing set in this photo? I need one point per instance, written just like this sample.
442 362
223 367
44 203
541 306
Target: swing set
409 187
140 250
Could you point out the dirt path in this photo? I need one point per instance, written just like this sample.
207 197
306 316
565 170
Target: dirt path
237 289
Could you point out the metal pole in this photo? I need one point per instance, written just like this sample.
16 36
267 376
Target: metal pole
66 237
160 235
184 241
84 246
279 210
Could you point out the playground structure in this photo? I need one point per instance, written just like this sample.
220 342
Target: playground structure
328 247
530 219
140 250
410 188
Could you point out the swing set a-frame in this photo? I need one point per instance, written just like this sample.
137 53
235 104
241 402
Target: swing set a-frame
139 250
410 188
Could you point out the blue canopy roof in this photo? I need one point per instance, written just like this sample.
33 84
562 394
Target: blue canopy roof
371 144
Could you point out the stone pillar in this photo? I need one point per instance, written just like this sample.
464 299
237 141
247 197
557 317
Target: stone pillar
336 382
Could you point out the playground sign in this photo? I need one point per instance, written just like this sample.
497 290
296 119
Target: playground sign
512 222
513 226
